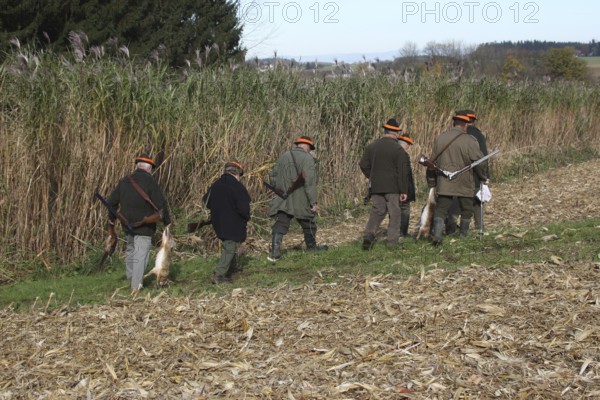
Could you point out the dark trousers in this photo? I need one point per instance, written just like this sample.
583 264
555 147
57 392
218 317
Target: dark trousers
283 221
454 211
404 218
444 203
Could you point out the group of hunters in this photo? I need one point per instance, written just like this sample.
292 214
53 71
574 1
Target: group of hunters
293 180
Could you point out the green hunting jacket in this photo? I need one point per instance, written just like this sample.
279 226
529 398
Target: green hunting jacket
463 151
284 173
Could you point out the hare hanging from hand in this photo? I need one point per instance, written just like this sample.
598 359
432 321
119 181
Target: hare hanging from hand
163 259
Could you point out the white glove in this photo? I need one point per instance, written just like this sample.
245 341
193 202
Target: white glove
484 195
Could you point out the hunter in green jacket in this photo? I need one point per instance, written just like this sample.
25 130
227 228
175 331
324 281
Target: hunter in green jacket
300 203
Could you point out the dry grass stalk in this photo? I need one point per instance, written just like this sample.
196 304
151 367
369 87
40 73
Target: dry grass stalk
66 131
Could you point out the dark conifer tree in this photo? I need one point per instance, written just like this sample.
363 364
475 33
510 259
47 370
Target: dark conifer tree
175 28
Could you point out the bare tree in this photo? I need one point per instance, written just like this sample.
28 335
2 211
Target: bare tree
410 51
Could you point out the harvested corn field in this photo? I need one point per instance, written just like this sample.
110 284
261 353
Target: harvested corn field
528 331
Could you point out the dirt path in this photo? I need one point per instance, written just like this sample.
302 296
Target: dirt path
567 193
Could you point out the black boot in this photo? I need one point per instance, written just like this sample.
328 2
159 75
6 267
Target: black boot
368 242
450 225
404 227
276 240
438 227
464 227
311 243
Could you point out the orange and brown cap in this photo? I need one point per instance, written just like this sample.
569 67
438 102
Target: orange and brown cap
406 138
306 140
461 117
468 113
392 125
145 158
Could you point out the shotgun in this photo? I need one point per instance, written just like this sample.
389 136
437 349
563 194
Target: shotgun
453 175
423 160
468 167
116 214
284 195
194 226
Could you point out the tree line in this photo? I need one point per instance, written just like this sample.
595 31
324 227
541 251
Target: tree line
181 31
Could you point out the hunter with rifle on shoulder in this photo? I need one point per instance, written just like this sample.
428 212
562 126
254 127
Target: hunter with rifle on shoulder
139 203
294 181
457 158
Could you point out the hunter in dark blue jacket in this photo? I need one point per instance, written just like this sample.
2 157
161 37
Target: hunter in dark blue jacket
229 205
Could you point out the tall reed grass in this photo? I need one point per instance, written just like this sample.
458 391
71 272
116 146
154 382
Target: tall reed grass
69 127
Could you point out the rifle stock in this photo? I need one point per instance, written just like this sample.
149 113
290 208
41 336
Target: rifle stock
297 183
432 166
149 219
275 190
284 195
194 226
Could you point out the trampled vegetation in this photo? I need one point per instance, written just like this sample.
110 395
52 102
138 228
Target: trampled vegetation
69 126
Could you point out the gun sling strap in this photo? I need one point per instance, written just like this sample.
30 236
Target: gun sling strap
142 193
445 147
299 172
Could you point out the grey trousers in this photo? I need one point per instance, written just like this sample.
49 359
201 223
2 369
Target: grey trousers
137 252
228 262
382 205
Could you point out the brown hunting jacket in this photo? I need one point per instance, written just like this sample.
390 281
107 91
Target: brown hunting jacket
463 151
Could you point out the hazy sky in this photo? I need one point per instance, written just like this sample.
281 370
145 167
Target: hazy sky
306 29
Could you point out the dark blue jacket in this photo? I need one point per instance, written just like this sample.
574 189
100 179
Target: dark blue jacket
229 204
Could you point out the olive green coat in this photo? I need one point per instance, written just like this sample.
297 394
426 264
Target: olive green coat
387 166
282 176
463 151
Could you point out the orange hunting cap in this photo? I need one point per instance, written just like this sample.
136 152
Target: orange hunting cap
392 125
468 113
144 157
406 138
235 167
461 117
306 140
